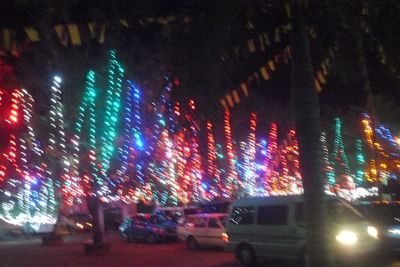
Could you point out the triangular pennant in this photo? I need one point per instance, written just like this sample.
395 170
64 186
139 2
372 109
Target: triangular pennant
33 35
244 88
236 96
321 77
62 35
223 102
261 40
230 100
124 22
317 85
287 8
271 65
74 34
264 73
277 35
251 46
266 38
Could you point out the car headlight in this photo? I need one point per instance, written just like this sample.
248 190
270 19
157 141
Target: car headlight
347 237
372 231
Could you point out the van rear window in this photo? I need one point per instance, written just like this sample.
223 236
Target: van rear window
242 215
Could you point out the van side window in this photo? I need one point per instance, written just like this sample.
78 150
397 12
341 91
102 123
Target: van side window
242 215
272 215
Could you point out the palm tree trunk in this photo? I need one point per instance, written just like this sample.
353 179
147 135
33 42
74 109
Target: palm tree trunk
307 122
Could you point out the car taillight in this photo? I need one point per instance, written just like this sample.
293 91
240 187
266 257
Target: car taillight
225 237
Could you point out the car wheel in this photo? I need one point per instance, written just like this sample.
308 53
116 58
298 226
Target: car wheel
246 256
151 239
191 243
126 238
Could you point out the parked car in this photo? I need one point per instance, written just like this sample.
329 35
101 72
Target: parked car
75 222
385 216
206 229
274 228
152 228
177 213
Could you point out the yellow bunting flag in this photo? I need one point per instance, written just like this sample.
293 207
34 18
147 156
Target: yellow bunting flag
264 73
288 51
287 7
230 100
266 38
74 34
250 25
61 34
236 96
244 88
252 47
223 102
317 85
124 22
320 77
261 41
6 39
33 35
277 35
271 65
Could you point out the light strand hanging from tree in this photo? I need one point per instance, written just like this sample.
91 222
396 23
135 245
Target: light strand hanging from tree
249 156
371 175
231 184
342 175
115 80
360 163
268 161
330 174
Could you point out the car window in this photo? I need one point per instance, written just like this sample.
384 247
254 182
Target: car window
157 219
200 223
224 220
273 215
213 223
242 215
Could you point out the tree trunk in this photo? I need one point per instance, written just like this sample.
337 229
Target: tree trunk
93 205
307 122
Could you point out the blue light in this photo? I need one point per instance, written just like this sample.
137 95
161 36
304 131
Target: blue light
204 185
139 143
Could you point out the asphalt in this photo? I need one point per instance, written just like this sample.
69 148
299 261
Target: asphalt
29 251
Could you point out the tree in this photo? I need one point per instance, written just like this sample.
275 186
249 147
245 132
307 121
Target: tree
307 122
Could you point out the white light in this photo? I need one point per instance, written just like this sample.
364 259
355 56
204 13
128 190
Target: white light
347 237
372 231
57 79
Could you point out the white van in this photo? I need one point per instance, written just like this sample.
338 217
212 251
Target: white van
274 228
177 213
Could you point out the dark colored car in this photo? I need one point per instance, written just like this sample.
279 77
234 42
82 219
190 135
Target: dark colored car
151 228
385 216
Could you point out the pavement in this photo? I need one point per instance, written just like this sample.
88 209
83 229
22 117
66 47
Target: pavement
29 251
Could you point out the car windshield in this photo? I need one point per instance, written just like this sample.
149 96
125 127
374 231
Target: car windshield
381 213
342 212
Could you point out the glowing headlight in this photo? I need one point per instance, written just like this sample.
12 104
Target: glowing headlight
372 231
347 237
